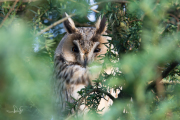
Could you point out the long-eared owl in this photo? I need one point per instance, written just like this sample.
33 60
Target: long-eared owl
79 47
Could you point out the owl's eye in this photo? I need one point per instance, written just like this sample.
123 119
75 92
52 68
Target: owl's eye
97 50
75 49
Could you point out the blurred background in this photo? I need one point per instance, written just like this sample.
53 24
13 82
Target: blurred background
145 57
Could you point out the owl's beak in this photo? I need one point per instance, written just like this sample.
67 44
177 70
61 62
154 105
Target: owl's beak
85 62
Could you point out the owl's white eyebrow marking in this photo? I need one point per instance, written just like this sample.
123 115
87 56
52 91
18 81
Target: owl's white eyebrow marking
96 44
75 42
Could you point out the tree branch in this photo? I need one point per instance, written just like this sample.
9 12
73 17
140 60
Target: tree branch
168 70
164 74
9 13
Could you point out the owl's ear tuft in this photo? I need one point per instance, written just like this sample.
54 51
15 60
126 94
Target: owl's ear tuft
101 25
69 25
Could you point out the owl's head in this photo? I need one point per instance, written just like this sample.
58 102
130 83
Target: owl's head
84 44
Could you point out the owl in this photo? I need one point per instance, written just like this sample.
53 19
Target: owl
77 49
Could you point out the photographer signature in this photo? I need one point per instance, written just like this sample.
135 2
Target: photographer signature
16 110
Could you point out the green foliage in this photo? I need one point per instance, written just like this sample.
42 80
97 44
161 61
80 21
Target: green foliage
145 42
21 86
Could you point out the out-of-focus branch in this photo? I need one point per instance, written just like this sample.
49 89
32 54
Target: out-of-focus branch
9 13
159 87
164 74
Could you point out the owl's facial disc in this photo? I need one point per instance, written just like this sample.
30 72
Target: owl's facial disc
85 51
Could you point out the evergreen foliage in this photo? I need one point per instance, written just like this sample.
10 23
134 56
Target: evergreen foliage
145 58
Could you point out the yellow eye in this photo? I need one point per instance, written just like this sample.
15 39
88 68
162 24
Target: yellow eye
97 50
75 49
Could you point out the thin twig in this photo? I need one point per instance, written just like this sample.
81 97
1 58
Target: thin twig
54 24
94 10
9 13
